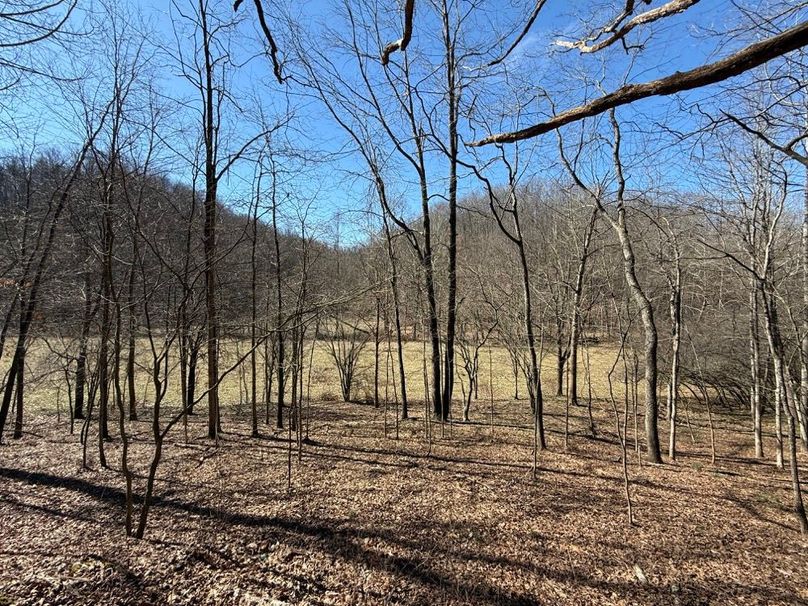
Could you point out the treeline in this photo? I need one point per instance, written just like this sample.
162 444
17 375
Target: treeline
700 299
101 299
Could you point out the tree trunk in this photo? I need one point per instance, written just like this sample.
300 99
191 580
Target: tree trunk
397 316
799 505
561 359
253 327
651 339
279 315
534 380
20 398
453 100
130 356
376 356
575 317
675 303
209 233
754 364
786 398
802 405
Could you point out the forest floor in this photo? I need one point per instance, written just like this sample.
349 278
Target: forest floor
372 519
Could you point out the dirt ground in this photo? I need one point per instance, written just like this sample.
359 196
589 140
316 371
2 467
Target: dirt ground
378 520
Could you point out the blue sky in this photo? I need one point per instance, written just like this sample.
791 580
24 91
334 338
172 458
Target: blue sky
333 186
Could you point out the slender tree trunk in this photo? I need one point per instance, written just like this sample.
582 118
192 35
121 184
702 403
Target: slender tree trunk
676 339
799 505
127 474
188 347
130 355
534 373
20 398
575 330
376 356
81 359
212 318
561 357
432 303
397 316
269 373
253 326
453 99
786 398
575 317
779 388
651 339
293 379
279 315
193 363
754 363
802 405
209 232
107 247
103 371
147 497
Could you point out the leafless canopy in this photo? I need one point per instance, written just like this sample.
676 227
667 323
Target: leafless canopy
24 23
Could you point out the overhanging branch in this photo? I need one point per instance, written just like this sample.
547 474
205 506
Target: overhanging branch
402 43
744 60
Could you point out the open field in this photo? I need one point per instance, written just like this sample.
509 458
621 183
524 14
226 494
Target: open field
46 377
377 520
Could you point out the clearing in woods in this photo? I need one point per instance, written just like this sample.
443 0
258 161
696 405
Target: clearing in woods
392 519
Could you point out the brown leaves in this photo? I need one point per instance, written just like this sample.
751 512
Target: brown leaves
373 520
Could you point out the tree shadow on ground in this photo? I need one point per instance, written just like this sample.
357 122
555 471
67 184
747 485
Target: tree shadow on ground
350 542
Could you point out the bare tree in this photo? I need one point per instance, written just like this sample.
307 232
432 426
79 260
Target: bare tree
35 266
506 207
208 69
641 300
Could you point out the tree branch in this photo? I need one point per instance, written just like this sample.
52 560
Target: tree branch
402 43
273 47
744 60
787 149
520 37
666 10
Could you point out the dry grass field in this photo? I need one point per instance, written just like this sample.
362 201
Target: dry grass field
376 516
48 393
